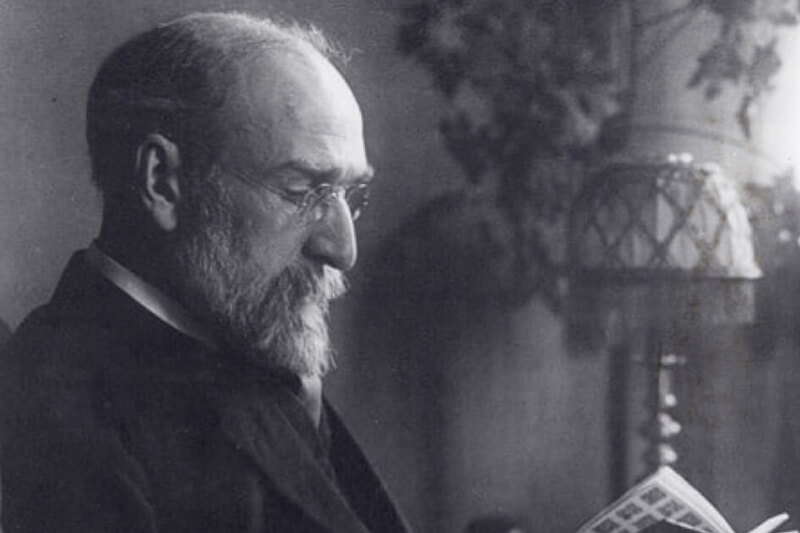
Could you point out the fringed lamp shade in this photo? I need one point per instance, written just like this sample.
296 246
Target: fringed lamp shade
663 241
657 248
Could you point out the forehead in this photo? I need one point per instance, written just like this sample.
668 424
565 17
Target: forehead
291 104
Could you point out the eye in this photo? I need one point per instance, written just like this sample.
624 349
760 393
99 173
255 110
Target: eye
298 191
296 187
293 180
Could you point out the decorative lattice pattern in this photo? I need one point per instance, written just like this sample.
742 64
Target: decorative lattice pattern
662 217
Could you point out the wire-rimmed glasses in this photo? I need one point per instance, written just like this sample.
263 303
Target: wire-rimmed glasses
310 200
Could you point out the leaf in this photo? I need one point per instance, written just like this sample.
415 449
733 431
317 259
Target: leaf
764 66
742 10
781 12
744 113
720 62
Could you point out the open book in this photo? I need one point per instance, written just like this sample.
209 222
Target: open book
662 496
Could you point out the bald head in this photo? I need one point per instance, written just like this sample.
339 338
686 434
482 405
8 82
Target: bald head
173 80
293 106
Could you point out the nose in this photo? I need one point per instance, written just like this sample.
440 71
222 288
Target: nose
332 240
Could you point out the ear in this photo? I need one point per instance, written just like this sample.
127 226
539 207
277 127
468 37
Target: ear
158 164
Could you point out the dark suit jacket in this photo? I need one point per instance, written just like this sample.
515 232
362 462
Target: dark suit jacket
113 421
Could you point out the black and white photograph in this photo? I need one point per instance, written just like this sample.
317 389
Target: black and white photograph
393 266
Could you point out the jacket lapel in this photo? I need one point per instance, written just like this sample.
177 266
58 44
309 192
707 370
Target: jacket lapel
256 425
371 501
252 418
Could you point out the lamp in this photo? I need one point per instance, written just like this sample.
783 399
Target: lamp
656 246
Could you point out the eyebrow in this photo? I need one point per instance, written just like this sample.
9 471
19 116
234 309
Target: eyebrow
321 175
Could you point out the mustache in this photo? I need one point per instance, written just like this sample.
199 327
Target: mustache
293 329
304 282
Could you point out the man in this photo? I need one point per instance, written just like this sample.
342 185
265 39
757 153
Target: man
173 381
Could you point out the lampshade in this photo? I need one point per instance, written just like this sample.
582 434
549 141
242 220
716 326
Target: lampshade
669 218
660 241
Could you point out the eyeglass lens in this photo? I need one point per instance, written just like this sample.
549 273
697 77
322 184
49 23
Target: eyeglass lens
355 196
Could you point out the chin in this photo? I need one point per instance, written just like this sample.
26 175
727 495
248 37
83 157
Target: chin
298 343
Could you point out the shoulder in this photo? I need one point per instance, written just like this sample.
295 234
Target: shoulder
52 370
48 349
48 375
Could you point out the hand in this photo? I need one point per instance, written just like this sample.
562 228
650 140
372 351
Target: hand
771 524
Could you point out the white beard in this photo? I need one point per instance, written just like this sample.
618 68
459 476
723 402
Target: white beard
275 321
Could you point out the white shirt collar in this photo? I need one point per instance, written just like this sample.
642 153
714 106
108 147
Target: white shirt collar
148 296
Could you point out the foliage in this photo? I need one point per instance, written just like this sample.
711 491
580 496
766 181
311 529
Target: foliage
530 87
744 53
516 77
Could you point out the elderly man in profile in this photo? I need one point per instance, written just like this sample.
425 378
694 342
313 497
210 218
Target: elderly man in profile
173 381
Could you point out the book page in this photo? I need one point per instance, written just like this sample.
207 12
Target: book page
662 495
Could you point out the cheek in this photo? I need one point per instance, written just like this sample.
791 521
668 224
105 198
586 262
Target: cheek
271 234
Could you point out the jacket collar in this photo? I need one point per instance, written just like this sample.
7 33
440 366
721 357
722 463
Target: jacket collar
149 297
